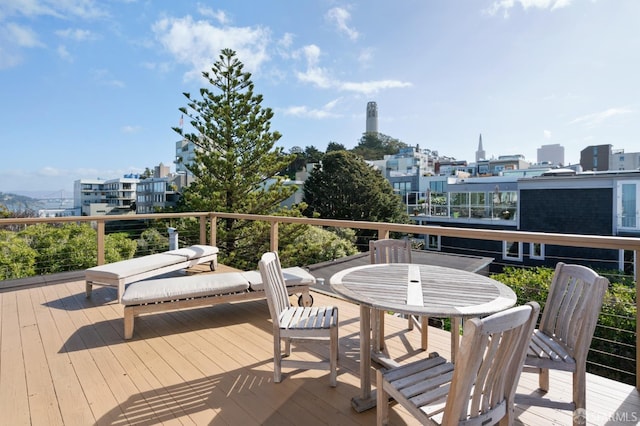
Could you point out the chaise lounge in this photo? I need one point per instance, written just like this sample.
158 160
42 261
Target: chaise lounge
173 293
119 274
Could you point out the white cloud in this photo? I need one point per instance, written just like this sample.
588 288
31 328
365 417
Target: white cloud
131 129
505 6
51 171
105 78
314 74
546 134
372 87
218 15
198 43
13 39
283 46
322 78
87 9
365 57
22 36
76 34
162 67
9 59
592 120
340 17
315 113
64 53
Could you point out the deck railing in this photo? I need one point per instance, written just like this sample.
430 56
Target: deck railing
208 235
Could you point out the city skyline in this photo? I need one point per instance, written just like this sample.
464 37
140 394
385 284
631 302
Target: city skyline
92 90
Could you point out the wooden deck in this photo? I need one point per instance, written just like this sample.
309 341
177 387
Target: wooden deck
63 360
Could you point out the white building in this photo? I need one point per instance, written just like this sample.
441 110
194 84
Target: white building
552 154
97 196
185 155
619 160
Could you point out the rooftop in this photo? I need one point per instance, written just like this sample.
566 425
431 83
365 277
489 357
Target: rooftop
63 360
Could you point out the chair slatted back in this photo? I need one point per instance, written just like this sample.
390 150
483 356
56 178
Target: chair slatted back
489 364
572 308
274 285
390 250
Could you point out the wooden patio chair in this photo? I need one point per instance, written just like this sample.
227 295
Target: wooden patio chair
296 323
563 338
390 250
479 389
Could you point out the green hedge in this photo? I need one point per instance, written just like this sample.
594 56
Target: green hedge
613 349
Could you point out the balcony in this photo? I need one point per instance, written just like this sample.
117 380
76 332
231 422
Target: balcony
63 359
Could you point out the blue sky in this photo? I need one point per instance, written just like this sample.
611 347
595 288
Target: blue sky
91 89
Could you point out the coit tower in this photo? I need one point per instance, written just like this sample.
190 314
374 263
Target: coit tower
372 117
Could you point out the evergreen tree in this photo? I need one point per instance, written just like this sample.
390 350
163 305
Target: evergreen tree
348 188
374 146
335 146
235 159
313 154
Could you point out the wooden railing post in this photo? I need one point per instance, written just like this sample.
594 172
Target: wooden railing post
273 236
203 229
213 221
603 242
100 241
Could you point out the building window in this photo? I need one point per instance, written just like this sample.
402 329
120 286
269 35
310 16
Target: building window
628 204
536 251
432 242
512 250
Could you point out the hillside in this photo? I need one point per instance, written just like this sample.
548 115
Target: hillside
19 203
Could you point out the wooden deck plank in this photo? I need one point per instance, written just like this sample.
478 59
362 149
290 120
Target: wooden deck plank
14 402
153 403
67 385
238 358
210 365
120 370
43 405
98 394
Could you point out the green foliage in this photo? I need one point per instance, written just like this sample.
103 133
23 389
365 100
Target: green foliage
529 284
46 249
374 146
347 188
313 155
117 247
236 162
236 157
4 212
316 245
335 146
613 346
152 241
17 259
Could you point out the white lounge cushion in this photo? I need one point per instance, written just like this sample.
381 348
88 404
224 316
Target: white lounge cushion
200 285
135 266
195 251
292 277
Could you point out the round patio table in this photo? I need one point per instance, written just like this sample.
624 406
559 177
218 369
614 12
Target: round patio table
423 290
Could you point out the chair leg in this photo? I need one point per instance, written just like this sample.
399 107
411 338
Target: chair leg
277 359
377 327
410 325
579 389
543 379
333 354
382 401
287 347
424 325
